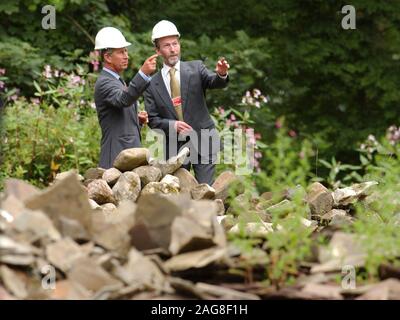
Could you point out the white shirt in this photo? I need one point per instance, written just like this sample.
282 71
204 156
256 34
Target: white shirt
166 76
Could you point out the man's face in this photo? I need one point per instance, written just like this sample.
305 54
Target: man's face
170 49
118 59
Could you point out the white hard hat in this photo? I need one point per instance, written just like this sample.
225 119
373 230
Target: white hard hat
164 28
110 37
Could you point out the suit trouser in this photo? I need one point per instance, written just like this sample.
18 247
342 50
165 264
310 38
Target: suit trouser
203 166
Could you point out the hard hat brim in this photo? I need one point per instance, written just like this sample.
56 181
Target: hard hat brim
123 45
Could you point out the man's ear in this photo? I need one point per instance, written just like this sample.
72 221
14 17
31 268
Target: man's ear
107 57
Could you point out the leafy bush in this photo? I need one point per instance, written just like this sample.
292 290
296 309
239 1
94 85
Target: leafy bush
39 141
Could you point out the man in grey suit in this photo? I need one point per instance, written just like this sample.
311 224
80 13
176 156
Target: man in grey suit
176 105
116 104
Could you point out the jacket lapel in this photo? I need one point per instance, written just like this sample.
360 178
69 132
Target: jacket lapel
185 79
163 93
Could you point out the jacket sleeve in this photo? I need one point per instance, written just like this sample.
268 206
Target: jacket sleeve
210 80
117 97
155 121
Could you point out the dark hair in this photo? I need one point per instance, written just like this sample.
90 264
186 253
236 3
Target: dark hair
104 51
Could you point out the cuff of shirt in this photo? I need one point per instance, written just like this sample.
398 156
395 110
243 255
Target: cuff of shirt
223 77
146 78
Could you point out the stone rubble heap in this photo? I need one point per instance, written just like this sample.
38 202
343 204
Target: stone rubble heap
146 229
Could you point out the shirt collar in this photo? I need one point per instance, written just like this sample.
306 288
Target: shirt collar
166 68
116 75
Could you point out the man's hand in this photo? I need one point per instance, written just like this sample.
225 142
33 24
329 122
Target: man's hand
222 67
150 65
182 127
143 117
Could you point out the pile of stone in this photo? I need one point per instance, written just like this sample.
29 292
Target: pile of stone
146 229
122 233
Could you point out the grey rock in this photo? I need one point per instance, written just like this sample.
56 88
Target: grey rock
131 158
111 176
196 259
173 163
148 174
94 173
346 196
319 199
62 175
100 191
159 188
172 181
187 180
203 191
128 187
66 198
111 230
224 183
63 253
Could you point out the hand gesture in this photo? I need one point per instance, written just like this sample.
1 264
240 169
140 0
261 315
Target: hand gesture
143 117
222 67
182 127
150 65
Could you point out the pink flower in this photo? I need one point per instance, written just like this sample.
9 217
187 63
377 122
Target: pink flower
56 73
35 101
228 123
2 84
292 133
61 90
2 72
14 97
221 110
233 118
75 80
301 155
95 64
258 155
278 124
47 71
257 136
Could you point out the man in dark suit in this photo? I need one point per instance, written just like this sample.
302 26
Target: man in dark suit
116 104
176 105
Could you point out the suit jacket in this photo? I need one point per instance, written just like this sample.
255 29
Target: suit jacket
194 80
116 108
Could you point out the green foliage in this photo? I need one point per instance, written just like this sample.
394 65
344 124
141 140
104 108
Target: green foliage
287 159
39 140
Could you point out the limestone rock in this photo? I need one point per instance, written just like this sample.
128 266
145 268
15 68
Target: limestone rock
94 173
100 191
127 188
203 191
63 253
319 199
111 176
66 198
111 229
351 194
225 183
187 180
172 181
148 174
62 175
173 163
160 188
131 158
154 216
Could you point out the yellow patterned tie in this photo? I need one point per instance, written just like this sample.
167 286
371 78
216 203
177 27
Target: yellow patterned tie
176 94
